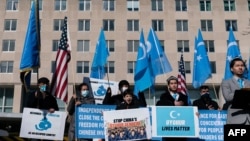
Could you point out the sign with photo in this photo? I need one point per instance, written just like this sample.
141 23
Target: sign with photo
129 124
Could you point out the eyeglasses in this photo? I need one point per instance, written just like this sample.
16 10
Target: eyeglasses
205 91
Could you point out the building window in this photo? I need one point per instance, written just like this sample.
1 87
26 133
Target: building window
181 25
58 24
83 46
35 70
209 45
53 66
6 99
187 66
83 25
156 5
133 5
108 25
111 45
133 25
162 45
133 45
206 25
157 25
248 3
8 45
213 66
205 5
131 66
181 5
84 5
6 67
60 5
55 45
40 4
82 67
232 23
10 25
110 67
229 5
61 104
108 5
12 5
182 45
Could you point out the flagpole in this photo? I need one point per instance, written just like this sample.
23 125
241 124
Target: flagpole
215 93
108 76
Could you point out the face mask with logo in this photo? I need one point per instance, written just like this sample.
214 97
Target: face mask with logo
124 89
43 88
85 93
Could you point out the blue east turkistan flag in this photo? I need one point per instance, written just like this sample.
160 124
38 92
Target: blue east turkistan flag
202 68
158 61
233 51
100 58
30 56
142 76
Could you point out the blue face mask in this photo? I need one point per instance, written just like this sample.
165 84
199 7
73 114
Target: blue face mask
85 93
43 88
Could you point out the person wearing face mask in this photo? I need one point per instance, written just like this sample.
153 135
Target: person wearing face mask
123 85
41 98
83 96
205 102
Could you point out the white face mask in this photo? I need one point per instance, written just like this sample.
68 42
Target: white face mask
124 89
85 93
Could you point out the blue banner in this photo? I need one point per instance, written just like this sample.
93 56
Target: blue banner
211 124
89 120
175 121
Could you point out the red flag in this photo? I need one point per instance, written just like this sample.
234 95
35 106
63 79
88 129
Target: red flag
182 77
59 85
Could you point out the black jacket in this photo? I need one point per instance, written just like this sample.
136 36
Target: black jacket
42 103
117 99
167 100
203 104
124 105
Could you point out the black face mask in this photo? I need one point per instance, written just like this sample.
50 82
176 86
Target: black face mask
206 98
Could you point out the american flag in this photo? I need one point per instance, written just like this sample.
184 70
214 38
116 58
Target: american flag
182 77
59 83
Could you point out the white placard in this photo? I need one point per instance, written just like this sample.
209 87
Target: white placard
39 124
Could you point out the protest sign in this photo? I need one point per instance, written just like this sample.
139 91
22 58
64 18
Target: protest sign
39 124
175 121
99 88
129 124
89 120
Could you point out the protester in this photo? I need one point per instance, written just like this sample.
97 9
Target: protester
205 102
172 98
128 101
237 66
77 99
127 133
41 98
123 85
